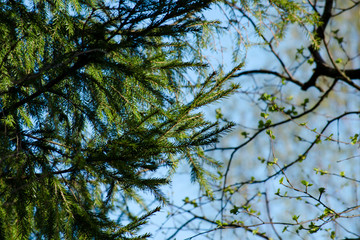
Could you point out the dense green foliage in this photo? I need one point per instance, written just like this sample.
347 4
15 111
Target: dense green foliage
101 101
92 103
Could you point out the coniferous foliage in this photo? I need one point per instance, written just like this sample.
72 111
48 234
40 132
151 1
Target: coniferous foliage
91 101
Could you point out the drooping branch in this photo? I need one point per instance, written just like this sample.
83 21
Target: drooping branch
81 62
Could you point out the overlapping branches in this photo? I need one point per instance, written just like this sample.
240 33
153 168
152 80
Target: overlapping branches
295 191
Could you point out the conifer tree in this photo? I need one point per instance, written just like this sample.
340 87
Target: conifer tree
91 102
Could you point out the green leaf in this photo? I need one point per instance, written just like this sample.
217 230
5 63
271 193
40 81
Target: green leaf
261 124
339 39
313 228
235 210
338 60
321 190
193 202
281 180
301 158
264 115
278 192
333 235
354 139
245 134
305 183
296 218
310 61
